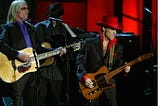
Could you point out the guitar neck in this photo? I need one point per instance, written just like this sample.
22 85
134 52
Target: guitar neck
76 46
133 62
46 55
120 69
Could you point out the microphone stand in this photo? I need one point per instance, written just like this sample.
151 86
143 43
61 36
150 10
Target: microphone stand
35 78
67 79
67 63
67 56
37 65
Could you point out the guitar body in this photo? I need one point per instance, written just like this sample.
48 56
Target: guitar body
49 60
9 73
94 93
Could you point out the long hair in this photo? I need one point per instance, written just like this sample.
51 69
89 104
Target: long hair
14 9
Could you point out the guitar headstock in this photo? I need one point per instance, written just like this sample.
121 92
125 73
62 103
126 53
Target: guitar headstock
145 56
76 46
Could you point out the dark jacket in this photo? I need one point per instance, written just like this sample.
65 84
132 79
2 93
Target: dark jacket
12 40
56 37
90 58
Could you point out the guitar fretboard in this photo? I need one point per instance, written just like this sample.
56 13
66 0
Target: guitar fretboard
133 62
76 46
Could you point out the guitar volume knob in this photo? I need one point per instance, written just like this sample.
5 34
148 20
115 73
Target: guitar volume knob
90 93
95 91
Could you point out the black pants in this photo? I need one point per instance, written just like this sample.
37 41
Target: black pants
1 102
5 91
45 91
35 91
17 90
44 87
54 93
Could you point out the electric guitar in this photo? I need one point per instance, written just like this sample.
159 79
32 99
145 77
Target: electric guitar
102 77
12 70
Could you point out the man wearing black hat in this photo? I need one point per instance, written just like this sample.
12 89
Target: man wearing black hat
104 50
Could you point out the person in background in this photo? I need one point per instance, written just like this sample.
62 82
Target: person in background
51 34
16 36
103 50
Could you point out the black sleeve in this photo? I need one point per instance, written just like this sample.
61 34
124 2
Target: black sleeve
5 43
81 61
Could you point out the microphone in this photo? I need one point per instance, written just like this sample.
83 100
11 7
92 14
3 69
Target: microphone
55 19
29 25
149 11
69 30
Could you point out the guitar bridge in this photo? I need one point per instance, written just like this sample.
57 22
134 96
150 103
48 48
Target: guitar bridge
94 91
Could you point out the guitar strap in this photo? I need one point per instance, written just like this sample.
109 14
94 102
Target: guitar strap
111 54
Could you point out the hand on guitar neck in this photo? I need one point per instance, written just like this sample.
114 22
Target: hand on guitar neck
62 51
127 68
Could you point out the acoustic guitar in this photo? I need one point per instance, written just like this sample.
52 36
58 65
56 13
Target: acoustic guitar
13 70
102 77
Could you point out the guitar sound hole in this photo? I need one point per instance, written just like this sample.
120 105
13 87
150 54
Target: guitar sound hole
23 68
